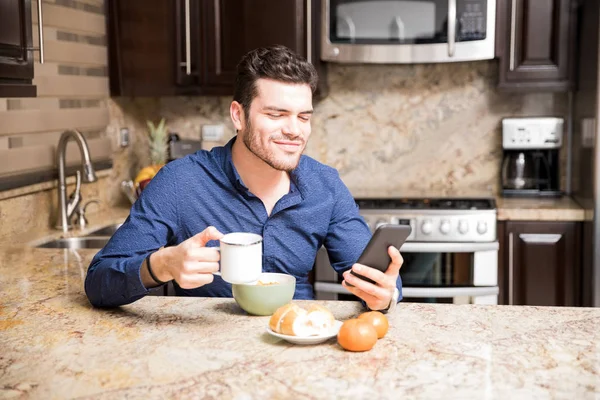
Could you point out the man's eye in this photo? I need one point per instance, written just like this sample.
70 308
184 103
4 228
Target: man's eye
274 115
304 118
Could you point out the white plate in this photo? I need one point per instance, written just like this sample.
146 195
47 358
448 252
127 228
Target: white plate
309 339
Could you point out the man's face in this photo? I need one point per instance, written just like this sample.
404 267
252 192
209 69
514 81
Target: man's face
278 124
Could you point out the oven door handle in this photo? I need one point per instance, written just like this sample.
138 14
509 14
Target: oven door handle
448 292
427 247
412 292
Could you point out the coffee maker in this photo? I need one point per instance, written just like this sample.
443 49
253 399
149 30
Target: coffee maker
531 157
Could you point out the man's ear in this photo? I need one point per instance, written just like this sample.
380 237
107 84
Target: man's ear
237 115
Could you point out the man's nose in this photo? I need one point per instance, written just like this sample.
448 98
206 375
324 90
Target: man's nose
292 127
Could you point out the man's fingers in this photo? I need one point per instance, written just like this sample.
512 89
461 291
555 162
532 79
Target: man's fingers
195 267
192 281
210 233
396 263
368 298
370 273
203 254
366 287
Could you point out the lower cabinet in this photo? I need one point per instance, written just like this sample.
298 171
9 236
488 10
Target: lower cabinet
540 263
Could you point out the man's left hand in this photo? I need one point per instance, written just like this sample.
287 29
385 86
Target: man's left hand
378 295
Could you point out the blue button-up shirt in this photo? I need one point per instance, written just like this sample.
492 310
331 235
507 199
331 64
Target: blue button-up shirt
204 189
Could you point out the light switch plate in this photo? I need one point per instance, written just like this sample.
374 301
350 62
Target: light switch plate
124 137
213 133
588 132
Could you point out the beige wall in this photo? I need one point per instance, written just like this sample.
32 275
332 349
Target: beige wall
392 130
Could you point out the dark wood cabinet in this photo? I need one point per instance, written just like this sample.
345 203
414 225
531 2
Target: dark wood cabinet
536 44
160 48
142 53
540 263
16 55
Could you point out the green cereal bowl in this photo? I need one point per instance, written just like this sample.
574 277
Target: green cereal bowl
265 300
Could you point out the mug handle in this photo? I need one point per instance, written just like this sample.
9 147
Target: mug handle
218 248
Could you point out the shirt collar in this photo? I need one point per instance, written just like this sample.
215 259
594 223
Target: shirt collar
296 176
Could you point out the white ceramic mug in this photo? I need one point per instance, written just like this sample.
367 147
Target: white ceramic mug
241 257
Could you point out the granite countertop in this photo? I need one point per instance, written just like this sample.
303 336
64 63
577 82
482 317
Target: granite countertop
530 209
55 345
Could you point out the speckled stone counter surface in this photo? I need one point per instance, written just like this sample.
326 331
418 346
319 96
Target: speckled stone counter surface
53 344
530 209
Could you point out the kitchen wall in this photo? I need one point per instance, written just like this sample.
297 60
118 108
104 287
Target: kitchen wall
72 92
391 130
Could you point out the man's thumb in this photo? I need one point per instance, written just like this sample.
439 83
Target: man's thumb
210 233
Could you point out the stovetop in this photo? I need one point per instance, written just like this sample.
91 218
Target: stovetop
426 203
439 220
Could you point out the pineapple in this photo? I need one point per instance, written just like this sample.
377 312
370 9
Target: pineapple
158 142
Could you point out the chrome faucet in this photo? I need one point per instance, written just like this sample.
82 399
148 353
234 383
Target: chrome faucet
66 210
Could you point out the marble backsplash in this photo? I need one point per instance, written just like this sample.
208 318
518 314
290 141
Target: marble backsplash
390 130
26 211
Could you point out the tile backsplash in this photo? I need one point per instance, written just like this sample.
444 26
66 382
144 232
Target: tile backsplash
390 130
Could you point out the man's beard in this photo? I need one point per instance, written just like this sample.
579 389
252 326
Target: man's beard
252 142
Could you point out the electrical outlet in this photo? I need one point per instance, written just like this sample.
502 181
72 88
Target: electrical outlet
124 137
213 133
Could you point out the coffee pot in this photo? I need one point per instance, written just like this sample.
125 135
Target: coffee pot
518 171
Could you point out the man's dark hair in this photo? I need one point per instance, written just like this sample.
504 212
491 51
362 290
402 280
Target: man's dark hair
275 62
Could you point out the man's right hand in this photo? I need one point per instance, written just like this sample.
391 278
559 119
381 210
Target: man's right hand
191 264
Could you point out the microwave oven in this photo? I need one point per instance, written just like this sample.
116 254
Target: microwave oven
407 31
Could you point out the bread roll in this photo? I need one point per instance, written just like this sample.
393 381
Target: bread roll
294 320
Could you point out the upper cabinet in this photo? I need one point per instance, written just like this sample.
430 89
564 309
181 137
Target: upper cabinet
535 42
16 55
188 47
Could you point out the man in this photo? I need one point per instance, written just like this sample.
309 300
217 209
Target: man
259 182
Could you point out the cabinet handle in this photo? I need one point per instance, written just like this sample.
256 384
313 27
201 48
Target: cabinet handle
513 33
309 31
547 238
511 268
40 32
451 26
188 51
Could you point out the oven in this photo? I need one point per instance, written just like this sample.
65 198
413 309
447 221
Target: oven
407 31
450 257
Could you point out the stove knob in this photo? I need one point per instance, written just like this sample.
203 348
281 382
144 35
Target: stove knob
463 226
482 227
427 227
445 226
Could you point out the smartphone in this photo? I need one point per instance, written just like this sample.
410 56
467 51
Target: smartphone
375 255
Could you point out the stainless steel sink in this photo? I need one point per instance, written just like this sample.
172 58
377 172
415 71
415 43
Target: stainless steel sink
76 243
105 231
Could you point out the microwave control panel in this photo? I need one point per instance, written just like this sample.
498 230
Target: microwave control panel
471 15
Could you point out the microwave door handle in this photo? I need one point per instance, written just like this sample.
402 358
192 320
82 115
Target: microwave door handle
451 27
399 25
350 24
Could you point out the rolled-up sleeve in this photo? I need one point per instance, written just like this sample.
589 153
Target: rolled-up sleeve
113 277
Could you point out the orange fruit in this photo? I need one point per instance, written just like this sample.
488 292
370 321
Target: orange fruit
147 173
377 320
357 335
